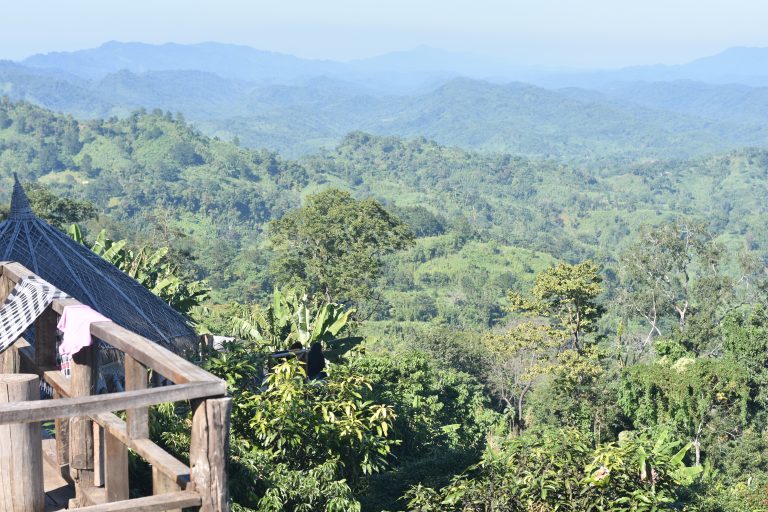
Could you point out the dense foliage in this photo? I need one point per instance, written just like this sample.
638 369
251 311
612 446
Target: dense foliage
502 333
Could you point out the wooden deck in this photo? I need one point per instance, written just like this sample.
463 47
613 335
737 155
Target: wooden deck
58 491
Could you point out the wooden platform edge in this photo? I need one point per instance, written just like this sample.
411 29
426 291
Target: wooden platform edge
155 503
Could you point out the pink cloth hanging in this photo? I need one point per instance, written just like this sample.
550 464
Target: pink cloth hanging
75 323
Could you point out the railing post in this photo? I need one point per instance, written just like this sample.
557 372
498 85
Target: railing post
81 446
208 451
136 378
62 442
115 468
21 450
9 359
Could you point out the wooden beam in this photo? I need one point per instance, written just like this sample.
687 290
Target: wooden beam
157 503
149 353
6 285
208 451
62 442
24 412
136 378
98 454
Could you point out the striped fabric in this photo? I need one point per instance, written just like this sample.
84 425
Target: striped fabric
27 301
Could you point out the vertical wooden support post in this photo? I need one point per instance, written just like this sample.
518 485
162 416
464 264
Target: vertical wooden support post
83 369
21 450
162 484
9 359
115 468
98 455
208 451
6 285
45 339
62 442
136 379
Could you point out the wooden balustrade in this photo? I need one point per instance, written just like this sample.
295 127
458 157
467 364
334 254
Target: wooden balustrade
97 464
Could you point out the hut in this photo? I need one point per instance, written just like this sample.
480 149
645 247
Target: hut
76 270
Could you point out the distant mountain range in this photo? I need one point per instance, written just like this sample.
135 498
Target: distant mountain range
748 66
296 105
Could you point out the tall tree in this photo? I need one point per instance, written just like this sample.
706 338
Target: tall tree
671 274
567 295
564 301
334 245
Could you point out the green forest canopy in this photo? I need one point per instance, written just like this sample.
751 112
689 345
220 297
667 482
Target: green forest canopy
611 312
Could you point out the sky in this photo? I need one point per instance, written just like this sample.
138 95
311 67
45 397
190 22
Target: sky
548 33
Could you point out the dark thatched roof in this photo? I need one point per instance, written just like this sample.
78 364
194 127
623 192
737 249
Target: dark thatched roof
77 271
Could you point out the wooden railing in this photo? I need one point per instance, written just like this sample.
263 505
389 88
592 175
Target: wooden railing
92 442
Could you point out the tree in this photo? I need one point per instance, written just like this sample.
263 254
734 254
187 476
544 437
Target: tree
566 294
697 398
557 469
151 268
60 212
672 273
334 246
515 359
564 298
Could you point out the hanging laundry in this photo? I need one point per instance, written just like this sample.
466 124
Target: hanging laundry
75 323
26 302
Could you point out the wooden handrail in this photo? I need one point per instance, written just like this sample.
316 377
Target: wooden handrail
158 503
41 410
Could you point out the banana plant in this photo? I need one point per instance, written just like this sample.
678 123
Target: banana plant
290 318
150 267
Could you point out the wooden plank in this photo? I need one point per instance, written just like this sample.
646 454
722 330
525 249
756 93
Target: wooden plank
208 452
161 484
23 412
136 378
115 468
157 503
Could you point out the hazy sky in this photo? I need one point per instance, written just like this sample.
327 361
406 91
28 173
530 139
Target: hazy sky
578 33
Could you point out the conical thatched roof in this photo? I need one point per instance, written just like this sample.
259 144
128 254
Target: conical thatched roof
74 269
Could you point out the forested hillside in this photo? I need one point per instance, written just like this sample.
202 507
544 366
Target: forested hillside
516 333
152 172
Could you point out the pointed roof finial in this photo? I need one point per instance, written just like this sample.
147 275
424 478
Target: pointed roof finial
20 208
